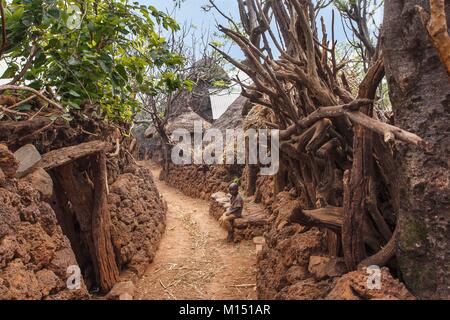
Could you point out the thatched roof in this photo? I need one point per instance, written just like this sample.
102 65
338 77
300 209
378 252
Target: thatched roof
186 121
180 120
234 116
258 117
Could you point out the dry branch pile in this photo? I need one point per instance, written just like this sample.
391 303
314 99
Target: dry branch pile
335 153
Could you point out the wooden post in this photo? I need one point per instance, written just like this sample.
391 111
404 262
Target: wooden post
101 224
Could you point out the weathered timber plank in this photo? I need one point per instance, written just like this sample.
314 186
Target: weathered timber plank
63 156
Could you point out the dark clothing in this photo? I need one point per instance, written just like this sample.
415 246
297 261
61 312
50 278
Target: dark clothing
237 205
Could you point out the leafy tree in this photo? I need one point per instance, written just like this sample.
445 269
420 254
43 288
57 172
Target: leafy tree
99 51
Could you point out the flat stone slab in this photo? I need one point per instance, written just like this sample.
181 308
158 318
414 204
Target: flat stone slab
28 158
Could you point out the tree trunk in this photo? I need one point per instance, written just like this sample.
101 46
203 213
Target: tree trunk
420 93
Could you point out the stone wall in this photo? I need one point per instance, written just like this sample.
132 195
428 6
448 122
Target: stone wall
34 252
201 181
40 236
138 216
295 265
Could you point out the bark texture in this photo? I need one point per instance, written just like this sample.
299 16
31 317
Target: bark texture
420 93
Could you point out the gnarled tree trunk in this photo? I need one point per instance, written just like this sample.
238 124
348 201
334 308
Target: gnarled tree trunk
420 93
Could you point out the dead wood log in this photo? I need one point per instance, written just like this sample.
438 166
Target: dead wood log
15 130
334 243
352 233
357 190
101 224
329 217
320 113
389 132
34 91
64 156
382 257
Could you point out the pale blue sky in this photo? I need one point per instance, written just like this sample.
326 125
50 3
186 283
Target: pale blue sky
191 12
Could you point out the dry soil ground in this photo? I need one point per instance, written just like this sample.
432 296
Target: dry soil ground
194 261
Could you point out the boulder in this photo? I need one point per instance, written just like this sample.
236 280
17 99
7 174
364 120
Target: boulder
28 158
122 291
42 182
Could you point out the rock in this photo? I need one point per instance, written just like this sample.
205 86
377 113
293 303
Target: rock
48 281
2 177
326 267
318 267
20 282
8 248
8 163
296 274
354 286
42 182
218 195
28 157
121 289
125 296
336 267
304 290
259 240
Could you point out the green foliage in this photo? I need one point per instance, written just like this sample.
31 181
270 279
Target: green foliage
92 50
220 84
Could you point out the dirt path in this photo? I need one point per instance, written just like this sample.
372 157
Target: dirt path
194 261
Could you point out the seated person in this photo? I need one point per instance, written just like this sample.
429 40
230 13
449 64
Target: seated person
233 212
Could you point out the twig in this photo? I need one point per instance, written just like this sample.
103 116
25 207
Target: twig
37 93
4 36
89 133
17 113
23 101
34 50
37 113
117 152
